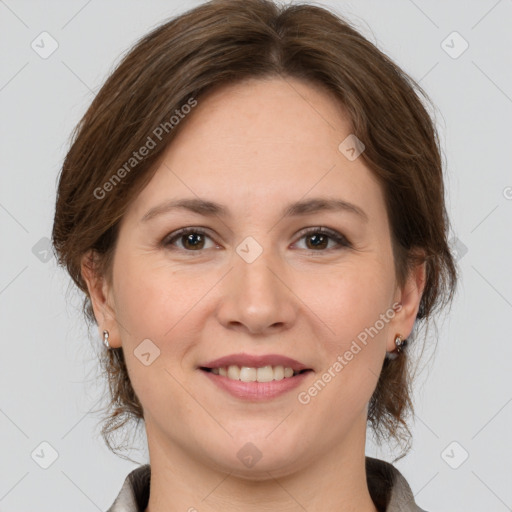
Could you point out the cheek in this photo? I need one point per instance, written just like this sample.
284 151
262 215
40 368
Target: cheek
357 310
155 302
146 307
150 307
353 300
140 299
351 353
150 298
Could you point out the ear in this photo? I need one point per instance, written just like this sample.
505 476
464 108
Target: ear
100 293
409 296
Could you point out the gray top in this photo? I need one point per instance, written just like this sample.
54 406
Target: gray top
388 489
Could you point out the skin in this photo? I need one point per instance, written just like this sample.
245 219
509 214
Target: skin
255 147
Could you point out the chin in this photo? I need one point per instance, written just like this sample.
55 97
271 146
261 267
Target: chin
258 460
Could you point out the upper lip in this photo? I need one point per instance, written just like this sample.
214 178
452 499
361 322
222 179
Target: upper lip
255 361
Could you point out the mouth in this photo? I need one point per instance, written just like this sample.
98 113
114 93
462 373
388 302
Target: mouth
255 368
255 383
267 373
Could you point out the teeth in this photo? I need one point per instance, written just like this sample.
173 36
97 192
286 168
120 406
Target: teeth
247 374
279 372
265 374
233 372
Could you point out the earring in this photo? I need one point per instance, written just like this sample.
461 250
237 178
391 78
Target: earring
105 340
400 343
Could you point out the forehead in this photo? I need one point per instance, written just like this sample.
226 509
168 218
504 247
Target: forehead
258 141
276 111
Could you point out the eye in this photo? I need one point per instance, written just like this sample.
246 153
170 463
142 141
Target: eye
320 237
192 239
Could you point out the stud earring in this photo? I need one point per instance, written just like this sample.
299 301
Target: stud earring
105 340
400 343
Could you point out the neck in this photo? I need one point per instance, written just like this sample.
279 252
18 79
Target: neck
334 481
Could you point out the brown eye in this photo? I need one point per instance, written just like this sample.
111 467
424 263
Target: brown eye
193 241
189 239
318 239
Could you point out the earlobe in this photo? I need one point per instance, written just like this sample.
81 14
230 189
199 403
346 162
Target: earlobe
409 296
99 293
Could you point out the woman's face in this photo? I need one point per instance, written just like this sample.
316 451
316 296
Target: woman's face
257 280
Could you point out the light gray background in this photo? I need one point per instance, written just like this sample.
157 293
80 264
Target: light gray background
48 382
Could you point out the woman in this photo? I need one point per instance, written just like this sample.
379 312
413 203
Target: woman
254 208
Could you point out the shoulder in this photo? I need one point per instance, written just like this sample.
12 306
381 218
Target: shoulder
388 488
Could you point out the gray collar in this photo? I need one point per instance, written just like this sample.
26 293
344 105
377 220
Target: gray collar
388 488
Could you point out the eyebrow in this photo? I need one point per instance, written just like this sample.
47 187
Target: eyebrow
211 208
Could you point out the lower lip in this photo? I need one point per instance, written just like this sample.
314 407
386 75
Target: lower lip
256 391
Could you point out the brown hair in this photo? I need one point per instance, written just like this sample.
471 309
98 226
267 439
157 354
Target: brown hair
219 42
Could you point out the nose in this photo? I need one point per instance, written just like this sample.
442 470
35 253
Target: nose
256 298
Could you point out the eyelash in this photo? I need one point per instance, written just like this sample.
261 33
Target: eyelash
333 235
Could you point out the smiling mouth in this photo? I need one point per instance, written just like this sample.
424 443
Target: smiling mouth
247 374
